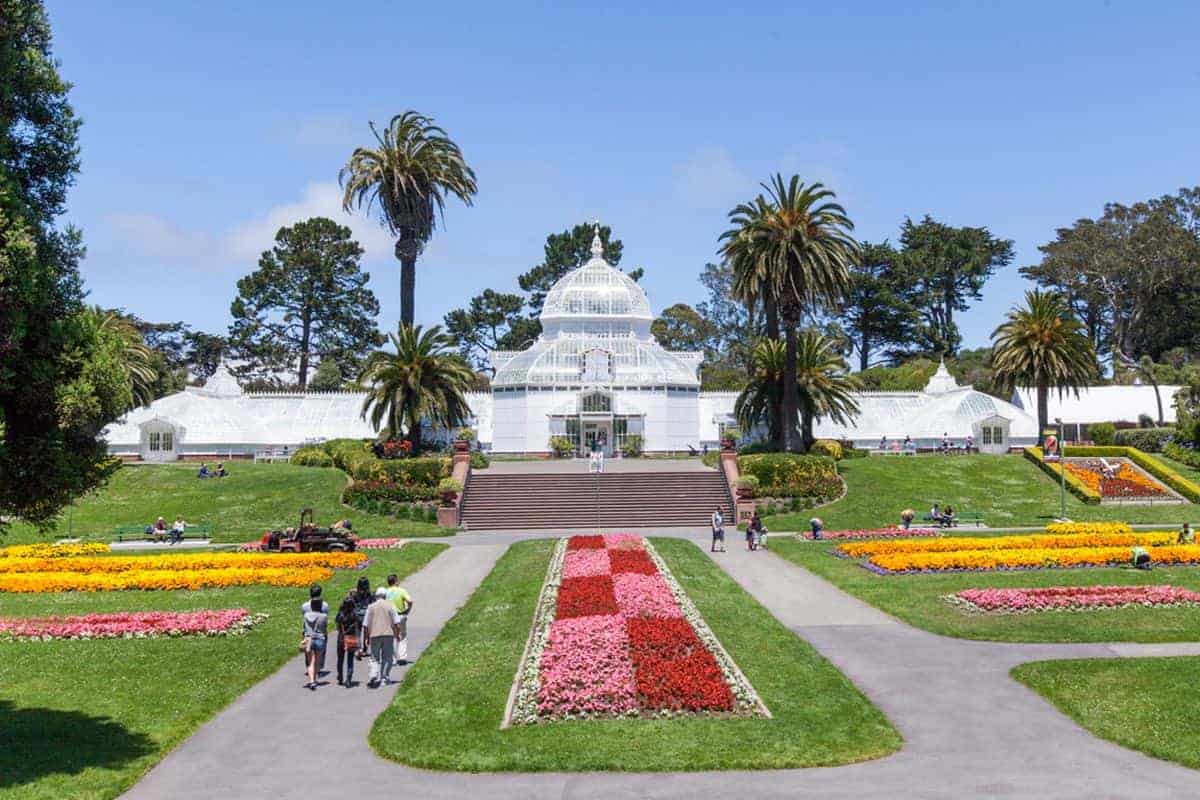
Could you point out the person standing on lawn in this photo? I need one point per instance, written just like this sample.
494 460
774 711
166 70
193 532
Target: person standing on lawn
349 630
403 603
381 624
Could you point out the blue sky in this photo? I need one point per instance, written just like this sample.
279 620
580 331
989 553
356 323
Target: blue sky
210 124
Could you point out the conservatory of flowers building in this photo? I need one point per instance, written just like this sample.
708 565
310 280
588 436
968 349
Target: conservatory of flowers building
596 376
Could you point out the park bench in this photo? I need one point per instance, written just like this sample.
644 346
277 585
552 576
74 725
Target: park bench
202 530
968 516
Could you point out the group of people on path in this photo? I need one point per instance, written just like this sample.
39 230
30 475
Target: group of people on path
368 624
756 534
159 532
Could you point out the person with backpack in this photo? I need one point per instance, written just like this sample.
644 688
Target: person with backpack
349 630
362 601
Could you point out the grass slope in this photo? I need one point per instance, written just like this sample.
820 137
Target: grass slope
254 498
86 719
448 711
916 599
1009 491
1148 704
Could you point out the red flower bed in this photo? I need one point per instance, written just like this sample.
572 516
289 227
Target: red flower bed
631 561
586 597
673 668
585 543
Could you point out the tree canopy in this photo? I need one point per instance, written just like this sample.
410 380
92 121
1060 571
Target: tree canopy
307 300
878 315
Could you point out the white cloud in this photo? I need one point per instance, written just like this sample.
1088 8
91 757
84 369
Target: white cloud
151 234
711 178
247 241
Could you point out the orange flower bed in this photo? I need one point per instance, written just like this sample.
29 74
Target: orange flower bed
1024 559
160 579
1126 482
1039 541
183 561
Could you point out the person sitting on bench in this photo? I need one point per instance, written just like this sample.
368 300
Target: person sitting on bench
177 531
948 517
160 530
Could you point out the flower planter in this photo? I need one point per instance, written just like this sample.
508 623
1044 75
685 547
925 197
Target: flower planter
462 446
448 498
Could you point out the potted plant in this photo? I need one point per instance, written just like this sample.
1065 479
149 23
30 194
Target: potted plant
730 436
463 439
747 485
449 488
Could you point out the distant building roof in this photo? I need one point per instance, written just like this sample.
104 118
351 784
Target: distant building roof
1103 404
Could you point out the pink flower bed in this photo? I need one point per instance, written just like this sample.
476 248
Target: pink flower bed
644 596
141 624
1073 598
585 669
873 533
586 564
615 635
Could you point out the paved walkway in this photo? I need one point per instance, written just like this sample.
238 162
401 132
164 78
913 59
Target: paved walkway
969 729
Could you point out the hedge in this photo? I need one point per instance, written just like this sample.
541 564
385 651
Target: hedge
311 457
1183 455
792 475
1148 440
357 493
1147 462
1074 485
827 447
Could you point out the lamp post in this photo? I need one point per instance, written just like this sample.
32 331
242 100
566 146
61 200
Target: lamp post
1062 472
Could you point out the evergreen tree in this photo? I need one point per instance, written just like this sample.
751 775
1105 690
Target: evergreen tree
308 299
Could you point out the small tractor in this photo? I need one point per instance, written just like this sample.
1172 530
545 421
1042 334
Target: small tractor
308 538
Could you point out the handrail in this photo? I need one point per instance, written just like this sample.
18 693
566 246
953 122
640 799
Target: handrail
728 491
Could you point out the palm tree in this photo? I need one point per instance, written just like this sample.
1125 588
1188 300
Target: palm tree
424 380
409 173
1042 346
823 383
761 399
793 249
135 358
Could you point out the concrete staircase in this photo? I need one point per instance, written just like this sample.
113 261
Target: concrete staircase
608 500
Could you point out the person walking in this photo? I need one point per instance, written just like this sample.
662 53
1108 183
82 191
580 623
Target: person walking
362 601
403 603
316 618
760 533
380 628
718 531
349 629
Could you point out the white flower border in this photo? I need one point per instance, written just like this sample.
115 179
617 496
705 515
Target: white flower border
522 698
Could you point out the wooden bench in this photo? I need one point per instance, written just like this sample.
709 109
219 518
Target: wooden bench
202 530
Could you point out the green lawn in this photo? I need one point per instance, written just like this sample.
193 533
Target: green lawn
254 498
448 711
1148 704
87 719
1191 473
916 599
1009 491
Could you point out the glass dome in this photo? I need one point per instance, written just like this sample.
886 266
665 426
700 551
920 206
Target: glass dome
595 290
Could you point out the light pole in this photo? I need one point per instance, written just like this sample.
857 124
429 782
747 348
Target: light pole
1062 472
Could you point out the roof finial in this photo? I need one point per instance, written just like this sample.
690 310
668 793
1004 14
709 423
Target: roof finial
597 245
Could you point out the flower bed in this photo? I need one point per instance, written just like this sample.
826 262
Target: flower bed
973 560
872 533
1039 541
615 635
361 544
130 625
54 550
1071 598
183 571
1088 527
1127 482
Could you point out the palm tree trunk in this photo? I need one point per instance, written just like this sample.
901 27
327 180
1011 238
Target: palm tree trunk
778 426
806 427
1043 411
406 252
414 436
790 395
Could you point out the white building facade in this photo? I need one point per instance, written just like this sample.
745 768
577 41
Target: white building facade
595 375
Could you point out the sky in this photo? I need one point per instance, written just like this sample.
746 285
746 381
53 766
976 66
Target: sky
208 125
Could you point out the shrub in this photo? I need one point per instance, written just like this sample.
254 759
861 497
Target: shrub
1184 455
754 448
466 434
850 451
311 457
791 475
1145 421
479 460
826 447
1102 433
748 482
561 446
1148 440
362 494
424 471
632 446
1074 485
711 458
446 485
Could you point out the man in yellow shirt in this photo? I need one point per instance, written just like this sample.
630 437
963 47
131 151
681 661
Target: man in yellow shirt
402 600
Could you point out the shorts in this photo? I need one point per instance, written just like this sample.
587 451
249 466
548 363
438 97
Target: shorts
718 535
317 644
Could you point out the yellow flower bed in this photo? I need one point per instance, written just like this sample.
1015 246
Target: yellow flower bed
161 579
1044 557
1039 541
183 562
53 550
1088 527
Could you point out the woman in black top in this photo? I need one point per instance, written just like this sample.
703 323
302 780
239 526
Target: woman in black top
348 625
362 599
